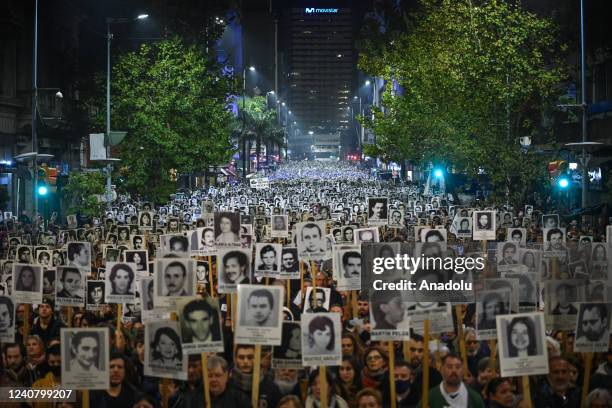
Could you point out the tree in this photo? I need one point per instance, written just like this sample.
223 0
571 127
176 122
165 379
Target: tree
256 122
82 193
173 100
473 76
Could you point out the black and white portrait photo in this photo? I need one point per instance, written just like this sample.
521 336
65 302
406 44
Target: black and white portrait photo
507 255
163 350
7 319
317 300
348 265
388 315
24 254
138 242
433 235
120 282
289 354
259 314
554 239
463 227
234 267
483 223
95 294
280 226
70 286
489 304
517 235
268 260
550 221
140 259
290 265
227 228
202 272
148 312
27 283
79 255
206 241
439 314
321 339
200 325
522 344
561 299
145 220
175 244
396 218
377 210
365 235
43 258
593 328
311 242
85 356
174 278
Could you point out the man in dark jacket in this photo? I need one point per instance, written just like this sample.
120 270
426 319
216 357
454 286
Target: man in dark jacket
242 377
47 326
557 391
223 395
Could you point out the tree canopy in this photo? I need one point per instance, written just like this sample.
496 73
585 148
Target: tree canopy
173 100
471 77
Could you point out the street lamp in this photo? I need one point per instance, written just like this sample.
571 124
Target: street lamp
367 82
109 38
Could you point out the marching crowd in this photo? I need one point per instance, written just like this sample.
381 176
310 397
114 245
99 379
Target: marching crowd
372 374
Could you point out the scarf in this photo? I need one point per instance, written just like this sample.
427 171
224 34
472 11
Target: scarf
372 379
316 403
243 381
458 399
32 363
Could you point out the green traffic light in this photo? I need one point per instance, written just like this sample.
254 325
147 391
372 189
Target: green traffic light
42 190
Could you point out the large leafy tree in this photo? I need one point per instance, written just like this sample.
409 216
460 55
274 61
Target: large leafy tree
172 98
474 76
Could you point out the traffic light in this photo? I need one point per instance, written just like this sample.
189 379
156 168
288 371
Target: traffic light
438 173
563 182
43 181
42 190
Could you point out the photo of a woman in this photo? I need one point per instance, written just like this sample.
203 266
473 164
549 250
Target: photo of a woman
321 336
521 337
226 233
166 351
492 305
26 280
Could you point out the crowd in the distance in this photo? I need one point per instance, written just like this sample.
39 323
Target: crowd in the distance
362 380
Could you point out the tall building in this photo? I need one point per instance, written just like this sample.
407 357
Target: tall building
318 67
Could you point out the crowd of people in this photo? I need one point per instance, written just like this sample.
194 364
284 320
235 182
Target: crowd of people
454 366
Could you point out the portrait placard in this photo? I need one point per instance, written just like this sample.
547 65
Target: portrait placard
347 263
317 300
164 355
85 358
289 354
321 339
174 278
200 325
146 289
7 319
522 344
140 259
120 282
439 314
206 241
70 286
227 228
79 255
388 315
280 226
377 210
489 304
311 242
290 265
268 260
593 328
366 235
561 298
260 315
483 223
234 267
27 283
95 294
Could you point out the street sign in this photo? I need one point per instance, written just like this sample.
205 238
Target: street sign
260 183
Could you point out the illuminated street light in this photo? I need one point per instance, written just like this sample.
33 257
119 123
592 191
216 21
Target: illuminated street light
563 182
367 82
438 173
251 68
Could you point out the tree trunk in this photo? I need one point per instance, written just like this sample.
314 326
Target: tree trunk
257 152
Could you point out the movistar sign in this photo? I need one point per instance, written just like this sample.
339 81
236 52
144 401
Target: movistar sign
312 10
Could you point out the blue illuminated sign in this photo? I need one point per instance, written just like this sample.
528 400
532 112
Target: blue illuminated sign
313 10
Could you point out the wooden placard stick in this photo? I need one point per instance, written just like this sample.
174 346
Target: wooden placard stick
588 366
119 313
354 299
85 398
228 309
256 376
462 348
69 316
391 353
26 322
165 391
493 348
406 351
323 386
425 364
210 277
526 391
205 381
302 279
